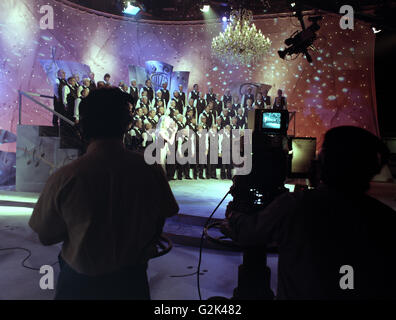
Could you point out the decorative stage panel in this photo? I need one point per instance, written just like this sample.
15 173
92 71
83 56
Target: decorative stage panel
337 88
37 157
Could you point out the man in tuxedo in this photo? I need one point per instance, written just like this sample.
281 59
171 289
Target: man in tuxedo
217 106
106 80
182 95
225 145
83 94
92 82
69 96
183 169
121 84
158 98
143 102
77 77
227 97
248 95
266 99
280 102
191 106
231 112
179 104
172 111
213 138
259 103
58 89
219 123
134 92
225 118
249 105
234 124
101 84
195 94
236 105
210 96
149 89
203 122
201 146
152 118
160 112
165 92
138 115
241 119
200 103
208 116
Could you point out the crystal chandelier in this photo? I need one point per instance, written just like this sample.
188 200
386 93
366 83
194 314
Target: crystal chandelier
241 42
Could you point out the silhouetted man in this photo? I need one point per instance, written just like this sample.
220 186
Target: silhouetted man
98 207
322 233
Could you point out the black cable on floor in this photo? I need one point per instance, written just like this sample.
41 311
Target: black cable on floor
201 244
26 258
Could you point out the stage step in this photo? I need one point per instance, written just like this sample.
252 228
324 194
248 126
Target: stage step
47 131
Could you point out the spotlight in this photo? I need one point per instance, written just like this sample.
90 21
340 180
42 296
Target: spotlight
131 9
224 19
293 4
205 8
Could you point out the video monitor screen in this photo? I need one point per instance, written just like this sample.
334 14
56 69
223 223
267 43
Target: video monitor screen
271 120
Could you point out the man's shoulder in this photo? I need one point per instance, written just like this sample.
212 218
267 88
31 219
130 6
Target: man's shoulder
86 165
136 160
379 207
63 174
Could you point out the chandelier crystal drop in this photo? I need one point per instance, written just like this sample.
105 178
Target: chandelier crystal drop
241 43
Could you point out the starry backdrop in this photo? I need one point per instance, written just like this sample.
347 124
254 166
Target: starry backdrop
337 88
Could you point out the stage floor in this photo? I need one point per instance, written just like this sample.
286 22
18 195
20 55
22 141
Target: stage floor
200 197
196 198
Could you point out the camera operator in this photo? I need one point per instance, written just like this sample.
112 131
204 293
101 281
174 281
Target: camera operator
319 231
99 207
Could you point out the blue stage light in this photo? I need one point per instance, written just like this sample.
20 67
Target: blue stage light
132 10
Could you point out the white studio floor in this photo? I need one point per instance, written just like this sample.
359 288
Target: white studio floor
195 197
219 268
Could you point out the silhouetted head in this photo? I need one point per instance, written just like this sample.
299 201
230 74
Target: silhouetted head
104 114
351 157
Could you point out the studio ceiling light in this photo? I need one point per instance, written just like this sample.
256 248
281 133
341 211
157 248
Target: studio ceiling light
205 8
241 42
131 8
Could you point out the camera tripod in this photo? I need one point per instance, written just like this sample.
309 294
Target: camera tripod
254 276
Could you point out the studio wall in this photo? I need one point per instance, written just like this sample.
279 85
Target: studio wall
336 89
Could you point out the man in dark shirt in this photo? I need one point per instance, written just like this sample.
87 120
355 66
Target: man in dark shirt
98 207
320 232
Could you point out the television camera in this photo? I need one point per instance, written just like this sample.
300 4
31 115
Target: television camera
299 42
255 191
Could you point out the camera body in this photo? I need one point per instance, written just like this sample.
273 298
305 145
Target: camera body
300 42
269 162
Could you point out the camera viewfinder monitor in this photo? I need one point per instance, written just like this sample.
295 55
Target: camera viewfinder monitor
271 122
